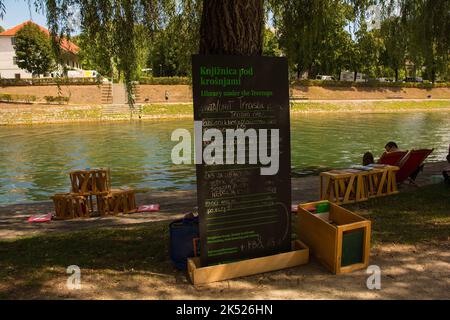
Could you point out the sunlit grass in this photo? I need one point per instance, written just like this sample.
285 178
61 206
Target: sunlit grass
297 107
409 218
369 106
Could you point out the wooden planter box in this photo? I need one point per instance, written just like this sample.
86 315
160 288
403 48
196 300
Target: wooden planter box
341 244
205 275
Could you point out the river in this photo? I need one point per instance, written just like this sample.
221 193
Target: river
35 160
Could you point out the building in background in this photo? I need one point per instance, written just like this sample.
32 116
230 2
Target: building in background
8 64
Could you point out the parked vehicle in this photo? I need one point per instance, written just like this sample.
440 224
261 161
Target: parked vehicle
325 78
413 79
384 80
82 74
349 76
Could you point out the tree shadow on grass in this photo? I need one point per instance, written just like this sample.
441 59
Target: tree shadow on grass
139 257
408 218
140 248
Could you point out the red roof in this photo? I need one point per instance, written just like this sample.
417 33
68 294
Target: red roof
66 45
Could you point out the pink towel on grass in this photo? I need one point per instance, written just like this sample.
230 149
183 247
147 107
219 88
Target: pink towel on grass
40 219
149 208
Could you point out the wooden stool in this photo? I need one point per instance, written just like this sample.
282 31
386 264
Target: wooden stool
70 206
117 202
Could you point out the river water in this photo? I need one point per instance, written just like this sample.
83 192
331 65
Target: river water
35 160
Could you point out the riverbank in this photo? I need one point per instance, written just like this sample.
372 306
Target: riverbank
174 204
131 261
95 94
26 114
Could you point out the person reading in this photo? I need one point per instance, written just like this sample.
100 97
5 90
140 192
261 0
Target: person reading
391 147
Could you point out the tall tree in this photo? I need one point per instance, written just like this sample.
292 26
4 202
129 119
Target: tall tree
271 46
173 45
428 25
395 44
232 27
33 50
312 32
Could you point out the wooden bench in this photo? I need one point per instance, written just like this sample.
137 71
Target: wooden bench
351 185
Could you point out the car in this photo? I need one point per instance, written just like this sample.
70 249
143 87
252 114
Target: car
413 79
384 80
325 78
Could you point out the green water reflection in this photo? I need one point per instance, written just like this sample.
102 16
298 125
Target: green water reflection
34 161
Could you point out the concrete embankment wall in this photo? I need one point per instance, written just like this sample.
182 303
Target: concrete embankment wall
92 94
88 94
357 93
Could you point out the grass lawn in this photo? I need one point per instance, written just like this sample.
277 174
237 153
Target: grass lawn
26 264
168 109
341 106
409 218
372 106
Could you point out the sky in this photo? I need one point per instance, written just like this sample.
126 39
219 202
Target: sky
18 11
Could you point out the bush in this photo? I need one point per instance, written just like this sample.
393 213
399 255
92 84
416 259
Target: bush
165 80
48 82
56 99
24 98
370 84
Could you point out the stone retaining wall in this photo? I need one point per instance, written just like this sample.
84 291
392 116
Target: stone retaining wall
92 94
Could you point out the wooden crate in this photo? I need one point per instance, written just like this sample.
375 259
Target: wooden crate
203 275
334 242
117 202
91 182
70 206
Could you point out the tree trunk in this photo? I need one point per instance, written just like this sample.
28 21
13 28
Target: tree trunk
396 75
232 27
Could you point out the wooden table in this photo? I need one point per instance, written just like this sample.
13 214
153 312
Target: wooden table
351 185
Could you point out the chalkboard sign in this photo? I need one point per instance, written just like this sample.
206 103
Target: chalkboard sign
241 107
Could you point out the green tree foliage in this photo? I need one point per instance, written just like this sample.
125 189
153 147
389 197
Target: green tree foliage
93 55
318 36
175 43
271 47
367 51
394 37
428 32
313 33
33 50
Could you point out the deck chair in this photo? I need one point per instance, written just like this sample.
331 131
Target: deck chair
411 163
392 158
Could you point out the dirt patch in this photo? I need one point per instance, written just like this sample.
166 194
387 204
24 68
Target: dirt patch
408 272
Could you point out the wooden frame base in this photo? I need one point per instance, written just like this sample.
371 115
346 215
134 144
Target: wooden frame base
198 275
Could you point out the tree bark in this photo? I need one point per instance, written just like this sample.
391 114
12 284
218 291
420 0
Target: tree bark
232 27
